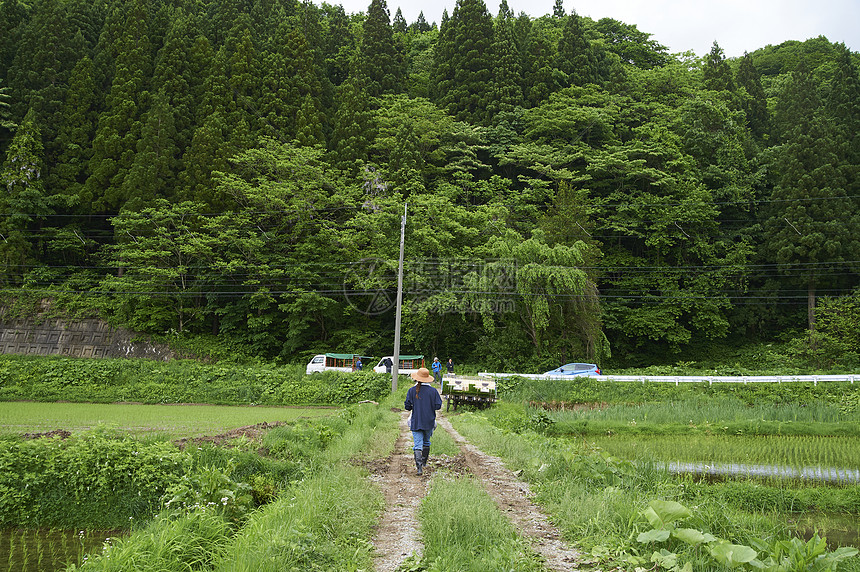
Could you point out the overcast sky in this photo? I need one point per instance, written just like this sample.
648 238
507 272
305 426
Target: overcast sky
681 25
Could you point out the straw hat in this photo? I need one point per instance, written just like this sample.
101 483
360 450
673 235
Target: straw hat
422 375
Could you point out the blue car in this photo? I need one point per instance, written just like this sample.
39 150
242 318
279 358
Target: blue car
575 369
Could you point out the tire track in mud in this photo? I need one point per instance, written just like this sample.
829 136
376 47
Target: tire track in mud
512 497
398 534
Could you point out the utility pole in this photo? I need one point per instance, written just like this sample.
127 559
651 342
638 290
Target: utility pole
396 364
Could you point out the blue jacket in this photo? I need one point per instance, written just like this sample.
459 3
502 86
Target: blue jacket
437 366
423 405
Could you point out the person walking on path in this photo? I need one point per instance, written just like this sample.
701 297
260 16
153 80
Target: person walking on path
437 370
423 401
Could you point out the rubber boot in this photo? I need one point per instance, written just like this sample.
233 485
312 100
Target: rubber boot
419 456
425 453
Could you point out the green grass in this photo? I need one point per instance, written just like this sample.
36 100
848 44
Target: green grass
599 501
191 542
703 410
168 420
321 523
463 530
784 450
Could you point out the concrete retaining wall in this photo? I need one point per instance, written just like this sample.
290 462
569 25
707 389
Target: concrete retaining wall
82 338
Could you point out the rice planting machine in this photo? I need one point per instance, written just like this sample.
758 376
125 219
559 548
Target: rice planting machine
474 390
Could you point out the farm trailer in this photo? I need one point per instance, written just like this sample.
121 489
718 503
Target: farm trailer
457 389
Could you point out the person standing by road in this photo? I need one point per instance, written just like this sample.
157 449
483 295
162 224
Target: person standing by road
388 364
437 370
423 401
450 366
358 364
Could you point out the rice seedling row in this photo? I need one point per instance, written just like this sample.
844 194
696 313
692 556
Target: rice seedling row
789 451
48 549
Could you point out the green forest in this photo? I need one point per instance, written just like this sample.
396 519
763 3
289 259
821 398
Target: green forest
570 189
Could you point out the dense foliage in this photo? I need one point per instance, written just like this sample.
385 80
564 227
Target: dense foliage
574 191
183 381
95 479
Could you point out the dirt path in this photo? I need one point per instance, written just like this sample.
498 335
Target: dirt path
399 534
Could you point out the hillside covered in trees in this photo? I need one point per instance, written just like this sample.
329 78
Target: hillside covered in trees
574 191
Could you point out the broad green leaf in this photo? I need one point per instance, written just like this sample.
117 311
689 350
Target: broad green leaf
665 559
689 535
653 536
666 512
732 554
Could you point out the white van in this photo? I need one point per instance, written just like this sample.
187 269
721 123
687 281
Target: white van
408 364
335 362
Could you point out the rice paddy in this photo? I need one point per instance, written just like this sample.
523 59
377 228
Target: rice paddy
796 451
48 550
171 421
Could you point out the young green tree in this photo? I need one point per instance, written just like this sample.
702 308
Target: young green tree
165 261
443 66
280 99
466 88
309 127
153 171
118 128
538 72
75 136
754 102
243 75
340 45
179 73
716 73
381 64
303 84
420 24
507 93
398 24
352 134
576 57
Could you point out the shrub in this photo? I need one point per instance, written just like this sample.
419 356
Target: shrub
97 479
179 381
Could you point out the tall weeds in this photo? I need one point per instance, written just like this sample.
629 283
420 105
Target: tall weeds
321 523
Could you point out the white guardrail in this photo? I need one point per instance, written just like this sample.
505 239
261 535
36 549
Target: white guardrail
679 379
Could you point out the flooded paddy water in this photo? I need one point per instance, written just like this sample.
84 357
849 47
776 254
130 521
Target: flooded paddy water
48 550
